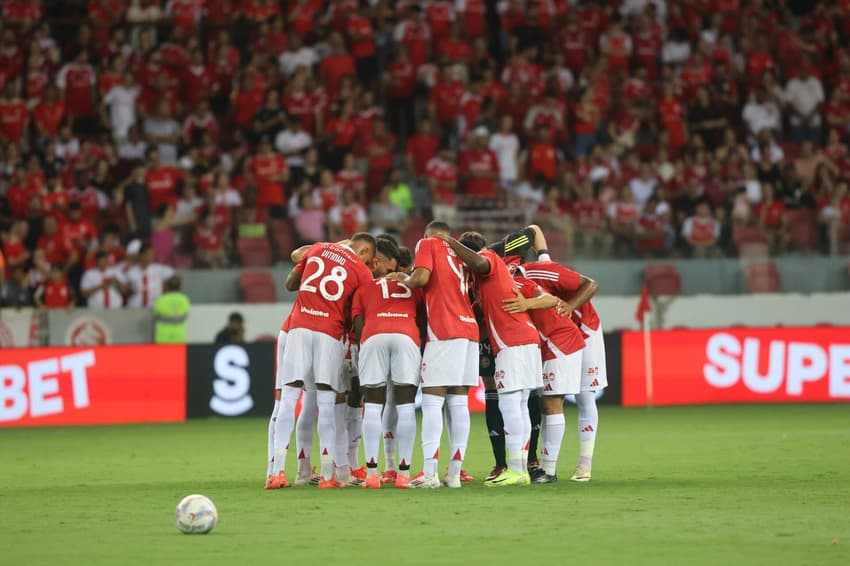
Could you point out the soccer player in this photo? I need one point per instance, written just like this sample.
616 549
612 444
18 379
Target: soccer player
450 359
562 344
577 290
325 278
516 346
384 316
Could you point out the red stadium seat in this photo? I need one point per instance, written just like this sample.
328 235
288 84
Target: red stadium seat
257 287
762 277
663 279
751 241
283 238
254 252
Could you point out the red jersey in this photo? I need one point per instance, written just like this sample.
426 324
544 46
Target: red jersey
351 180
13 116
334 68
56 295
162 186
505 329
473 14
480 161
450 315
387 307
417 39
446 100
543 159
701 230
362 36
444 176
80 234
421 149
49 116
267 169
330 274
773 213
402 80
77 81
562 282
559 334
56 247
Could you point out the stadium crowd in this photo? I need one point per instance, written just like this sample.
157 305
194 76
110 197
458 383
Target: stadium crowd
626 128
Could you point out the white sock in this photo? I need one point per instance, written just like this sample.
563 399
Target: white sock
526 428
354 424
432 431
270 451
551 437
406 436
326 400
509 406
588 423
389 418
284 423
342 471
304 428
371 435
458 407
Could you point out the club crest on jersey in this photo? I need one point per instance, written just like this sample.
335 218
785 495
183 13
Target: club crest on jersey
593 371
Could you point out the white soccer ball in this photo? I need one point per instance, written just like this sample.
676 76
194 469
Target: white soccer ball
196 515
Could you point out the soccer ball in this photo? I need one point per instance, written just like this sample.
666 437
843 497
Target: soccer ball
196 515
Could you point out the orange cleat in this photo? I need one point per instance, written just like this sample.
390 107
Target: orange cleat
359 473
372 482
402 482
277 482
389 476
332 483
465 477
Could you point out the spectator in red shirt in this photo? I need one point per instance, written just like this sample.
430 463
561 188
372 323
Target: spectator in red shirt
14 246
415 34
380 149
400 78
77 80
701 232
49 113
57 248
340 133
542 158
270 174
78 230
773 219
480 167
444 102
55 293
346 218
14 117
209 243
337 63
362 38
161 181
421 148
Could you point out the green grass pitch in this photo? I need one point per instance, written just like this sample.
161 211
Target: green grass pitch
710 485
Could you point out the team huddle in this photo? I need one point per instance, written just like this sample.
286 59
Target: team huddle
353 345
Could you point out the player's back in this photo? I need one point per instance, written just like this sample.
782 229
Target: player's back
387 307
330 273
562 282
505 329
446 295
554 328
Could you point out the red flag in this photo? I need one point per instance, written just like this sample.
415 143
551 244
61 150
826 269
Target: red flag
643 305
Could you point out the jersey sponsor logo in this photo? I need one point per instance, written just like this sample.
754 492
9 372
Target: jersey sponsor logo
468 319
392 315
232 386
314 312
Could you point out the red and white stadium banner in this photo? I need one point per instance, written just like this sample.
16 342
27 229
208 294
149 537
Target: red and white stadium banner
87 386
739 365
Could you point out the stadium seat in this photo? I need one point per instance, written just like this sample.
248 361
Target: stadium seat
762 277
282 237
257 287
751 241
254 252
803 227
663 279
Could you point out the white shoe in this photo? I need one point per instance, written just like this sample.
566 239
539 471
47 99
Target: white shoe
425 482
452 482
581 474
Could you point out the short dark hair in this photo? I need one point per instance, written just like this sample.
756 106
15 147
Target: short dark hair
235 317
438 226
473 240
405 257
365 237
388 237
387 248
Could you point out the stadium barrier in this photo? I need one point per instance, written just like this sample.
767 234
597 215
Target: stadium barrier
739 365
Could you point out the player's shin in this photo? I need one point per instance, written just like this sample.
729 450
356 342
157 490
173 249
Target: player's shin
458 408
284 423
552 435
495 427
326 400
432 430
270 451
406 436
510 407
304 428
536 420
526 428
354 426
588 423
372 436
388 425
342 470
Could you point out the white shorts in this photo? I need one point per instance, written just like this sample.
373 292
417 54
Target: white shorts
518 368
389 356
278 371
594 375
450 363
313 357
562 375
